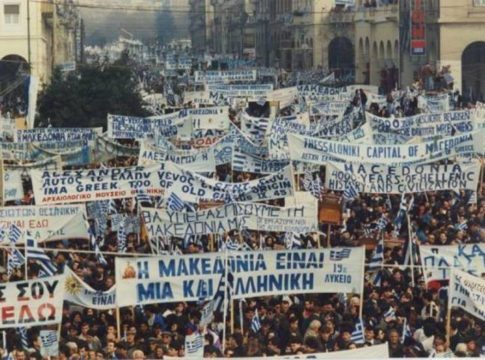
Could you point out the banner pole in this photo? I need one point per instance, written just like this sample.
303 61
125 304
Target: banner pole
448 313
224 316
118 322
232 316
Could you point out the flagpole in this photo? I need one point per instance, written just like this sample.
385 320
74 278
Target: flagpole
118 322
224 317
361 308
410 249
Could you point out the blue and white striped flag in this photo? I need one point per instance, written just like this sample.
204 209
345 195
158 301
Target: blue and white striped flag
377 258
337 255
463 226
256 322
389 313
33 252
382 222
24 339
194 346
232 245
472 199
224 291
207 313
293 241
143 197
351 191
313 186
50 343
14 234
14 261
112 208
121 238
404 207
357 336
175 203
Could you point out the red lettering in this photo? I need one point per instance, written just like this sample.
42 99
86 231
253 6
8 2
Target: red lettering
7 312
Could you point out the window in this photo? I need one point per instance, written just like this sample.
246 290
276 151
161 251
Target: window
479 2
12 14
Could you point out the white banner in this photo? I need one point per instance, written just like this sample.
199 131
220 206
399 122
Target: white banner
193 187
47 223
131 127
254 91
210 118
53 187
467 292
225 76
386 179
57 134
317 151
80 293
34 302
259 217
202 161
198 97
437 260
196 277
248 163
285 96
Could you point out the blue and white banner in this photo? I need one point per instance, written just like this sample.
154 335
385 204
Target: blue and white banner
80 293
202 161
57 134
131 127
35 302
50 343
284 96
258 217
387 179
248 163
54 187
225 76
195 277
317 151
254 91
216 117
47 223
107 149
437 261
254 128
329 108
467 292
192 187
198 98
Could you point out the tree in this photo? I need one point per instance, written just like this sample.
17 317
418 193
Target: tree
85 97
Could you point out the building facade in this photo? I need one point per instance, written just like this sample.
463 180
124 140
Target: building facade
38 35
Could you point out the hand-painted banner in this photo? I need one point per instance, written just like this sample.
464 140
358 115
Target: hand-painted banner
80 293
259 217
285 96
210 118
196 277
225 76
35 302
248 163
254 128
198 97
202 161
107 149
245 91
315 89
57 134
385 179
367 352
131 127
14 175
419 121
467 292
438 260
192 187
69 186
74 156
329 108
47 223
317 151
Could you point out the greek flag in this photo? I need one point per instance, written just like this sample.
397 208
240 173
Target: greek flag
357 336
112 209
143 197
390 313
368 229
232 245
48 338
382 222
351 191
462 226
293 241
3 232
14 261
33 252
377 255
175 203
207 313
194 346
401 215
473 199
255 322
122 238
337 255
223 290
14 234
24 340
330 79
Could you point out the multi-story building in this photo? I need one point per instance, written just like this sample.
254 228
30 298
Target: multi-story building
38 35
201 25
